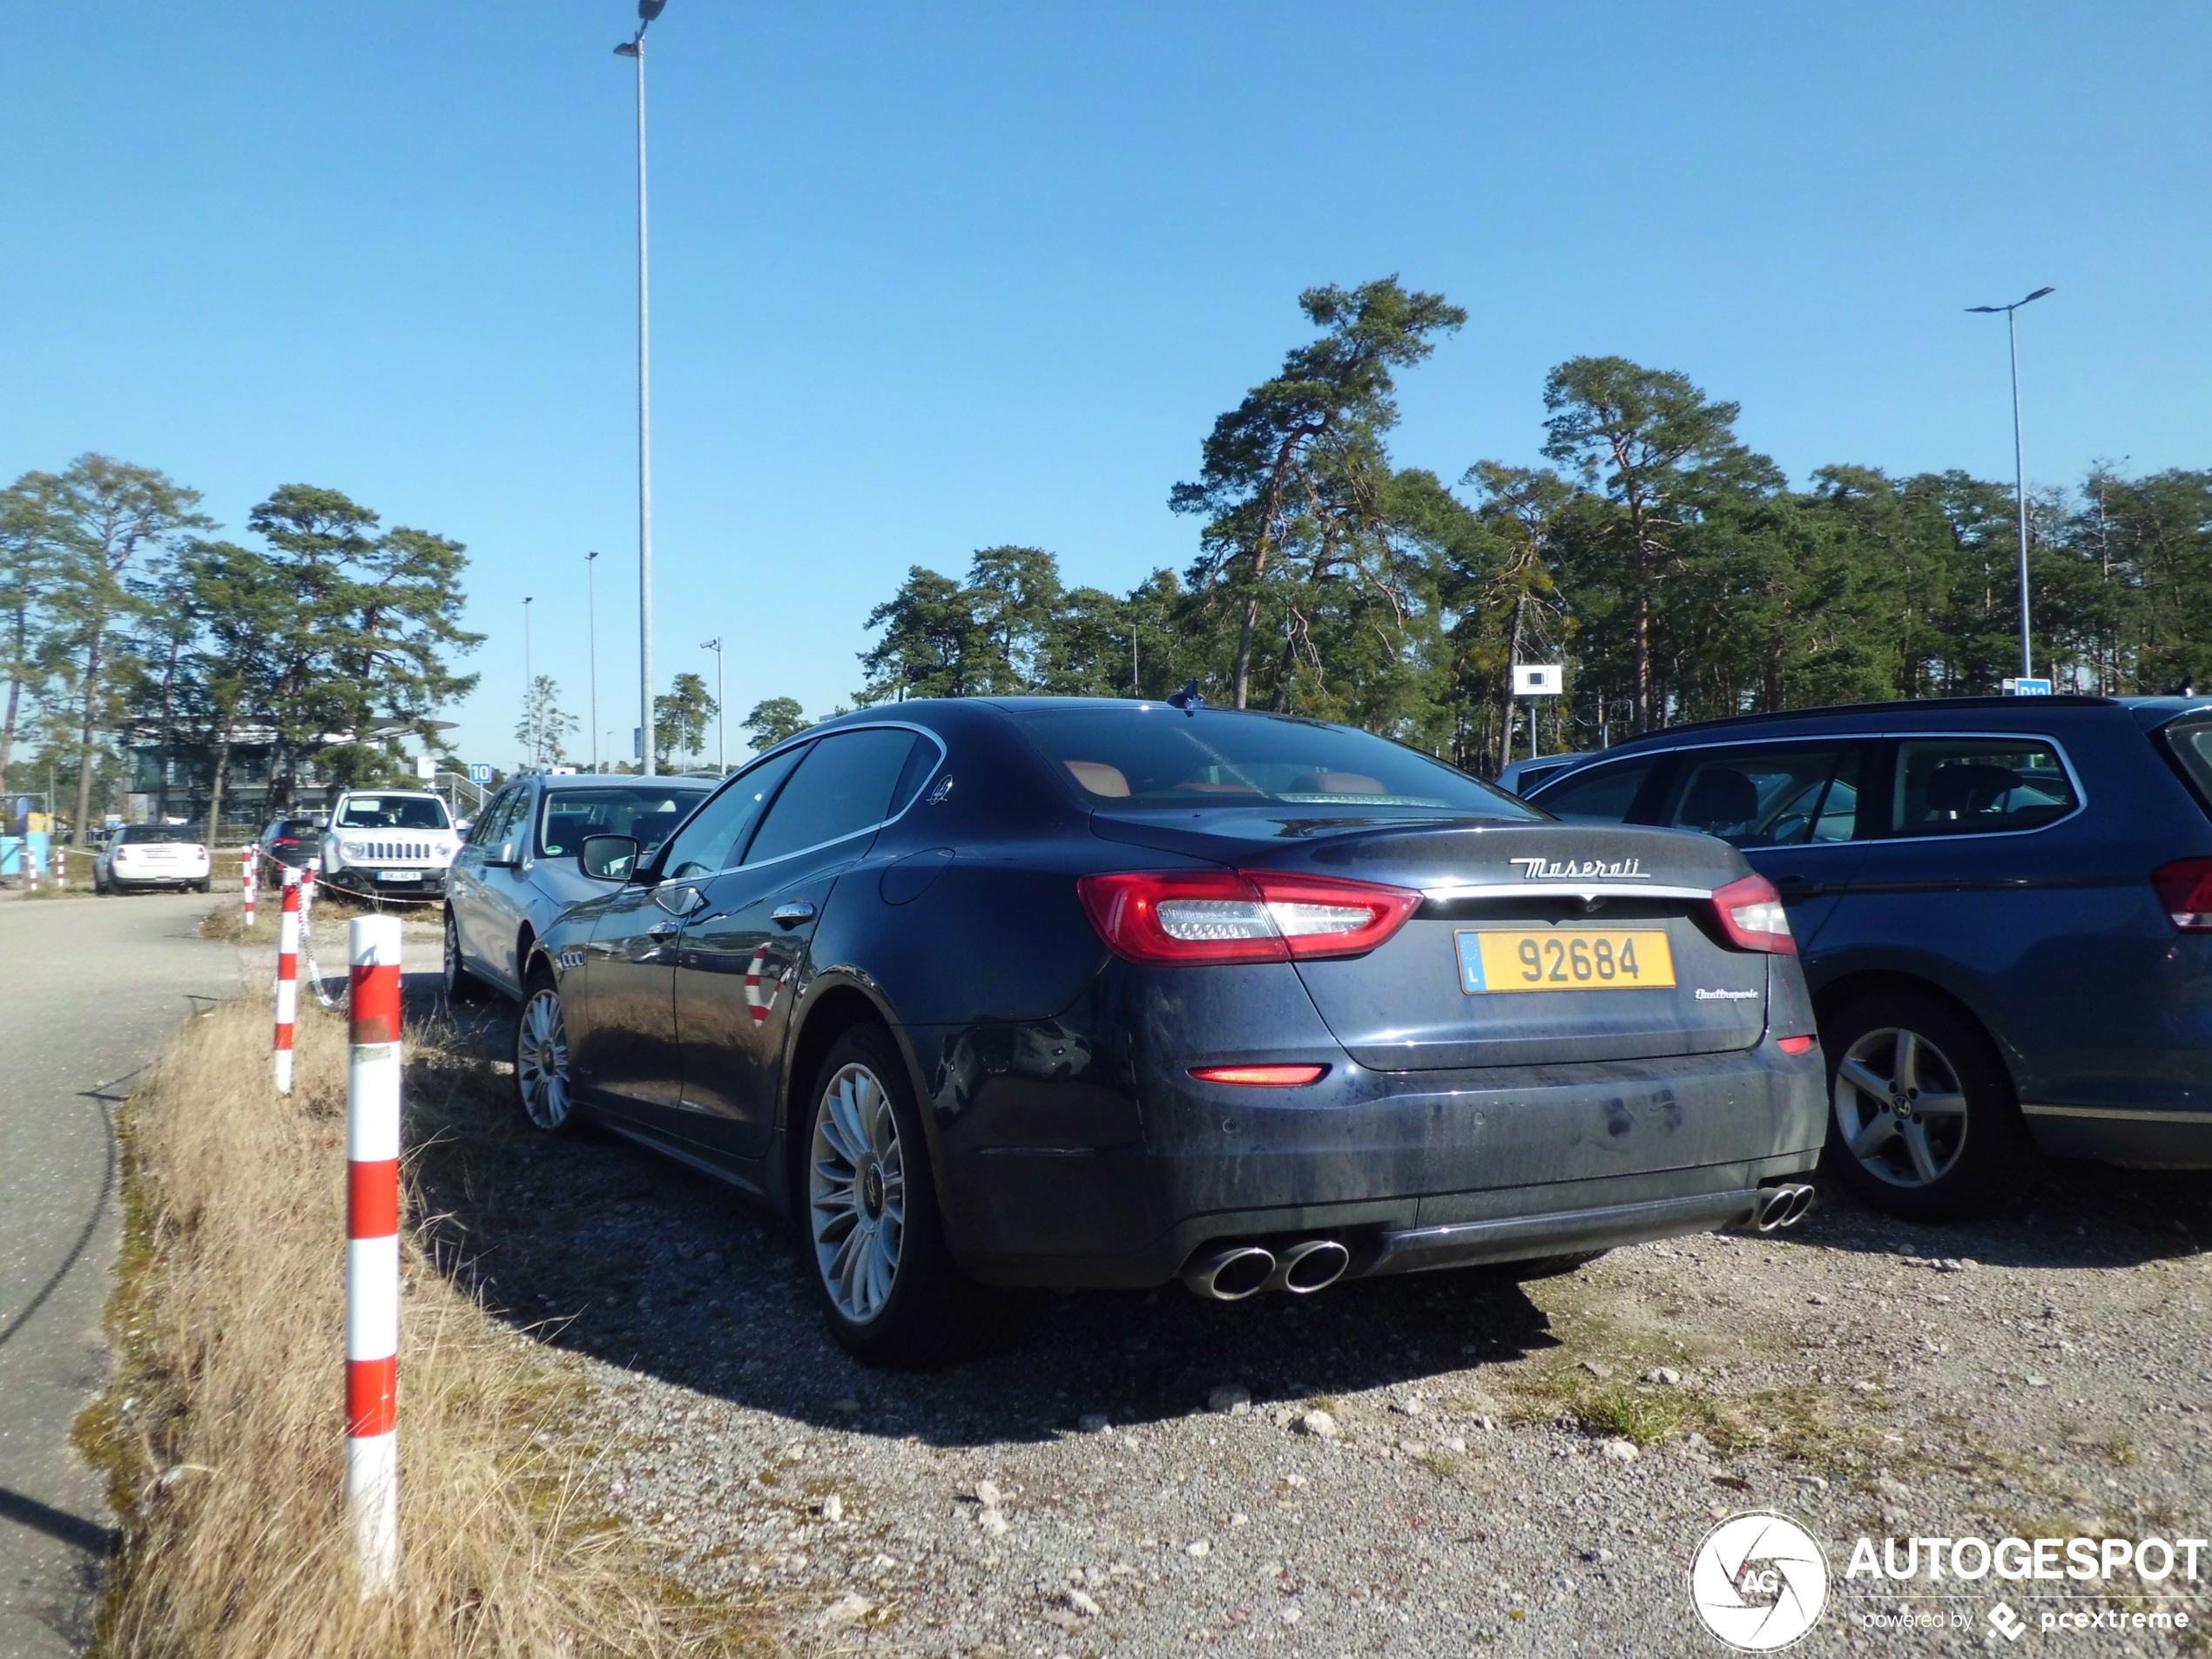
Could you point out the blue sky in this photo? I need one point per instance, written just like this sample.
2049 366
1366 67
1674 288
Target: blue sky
930 278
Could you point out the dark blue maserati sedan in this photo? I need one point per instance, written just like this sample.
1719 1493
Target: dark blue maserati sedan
1073 993
2005 906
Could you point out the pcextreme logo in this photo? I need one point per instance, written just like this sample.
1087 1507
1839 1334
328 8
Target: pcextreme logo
1759 1582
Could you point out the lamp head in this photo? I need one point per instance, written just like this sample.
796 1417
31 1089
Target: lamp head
649 10
628 48
2039 294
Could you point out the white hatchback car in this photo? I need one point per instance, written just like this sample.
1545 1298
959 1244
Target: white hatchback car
152 855
389 844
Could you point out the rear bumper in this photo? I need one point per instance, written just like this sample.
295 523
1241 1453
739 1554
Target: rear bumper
1408 1170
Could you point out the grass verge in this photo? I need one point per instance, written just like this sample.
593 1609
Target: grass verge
222 1434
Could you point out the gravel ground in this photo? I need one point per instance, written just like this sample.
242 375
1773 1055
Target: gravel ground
1507 1467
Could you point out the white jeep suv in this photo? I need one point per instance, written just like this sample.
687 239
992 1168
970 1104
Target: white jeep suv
389 843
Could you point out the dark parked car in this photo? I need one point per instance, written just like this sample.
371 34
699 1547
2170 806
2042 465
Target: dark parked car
2003 905
1047 992
518 870
287 842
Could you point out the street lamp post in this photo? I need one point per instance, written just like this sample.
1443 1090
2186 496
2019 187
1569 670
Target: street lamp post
591 626
2020 470
635 48
529 715
720 714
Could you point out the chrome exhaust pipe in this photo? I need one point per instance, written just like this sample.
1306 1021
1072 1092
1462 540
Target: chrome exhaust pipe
1783 1206
1305 1268
1230 1275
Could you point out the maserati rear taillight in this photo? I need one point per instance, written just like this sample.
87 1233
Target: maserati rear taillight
1177 918
1751 915
2185 890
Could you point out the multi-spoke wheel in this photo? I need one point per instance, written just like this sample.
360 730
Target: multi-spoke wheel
1922 1121
542 1085
867 1210
1900 1108
857 1193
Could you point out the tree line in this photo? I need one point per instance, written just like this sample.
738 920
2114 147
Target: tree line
1674 569
326 646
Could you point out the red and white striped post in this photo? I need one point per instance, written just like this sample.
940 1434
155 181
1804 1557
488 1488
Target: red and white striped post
287 979
61 866
249 881
29 867
372 1252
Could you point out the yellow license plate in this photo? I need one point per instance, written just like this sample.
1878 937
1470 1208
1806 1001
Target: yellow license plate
1565 959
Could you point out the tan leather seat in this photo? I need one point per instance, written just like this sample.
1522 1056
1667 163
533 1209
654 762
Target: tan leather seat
1098 778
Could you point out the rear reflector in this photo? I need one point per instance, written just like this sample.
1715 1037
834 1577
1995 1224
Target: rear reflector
1795 1045
1751 915
2185 889
1261 1076
1174 918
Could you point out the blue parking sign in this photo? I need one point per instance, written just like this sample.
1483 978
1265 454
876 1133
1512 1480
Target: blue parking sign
2024 686
479 771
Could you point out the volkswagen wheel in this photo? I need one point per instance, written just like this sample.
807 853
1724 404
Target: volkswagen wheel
1922 1121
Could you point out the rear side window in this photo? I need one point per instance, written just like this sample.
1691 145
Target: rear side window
1601 794
2191 743
1768 797
1978 786
843 787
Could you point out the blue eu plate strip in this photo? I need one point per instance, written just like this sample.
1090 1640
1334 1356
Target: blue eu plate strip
1471 978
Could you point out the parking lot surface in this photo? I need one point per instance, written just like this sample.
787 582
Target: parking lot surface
1511 1468
89 993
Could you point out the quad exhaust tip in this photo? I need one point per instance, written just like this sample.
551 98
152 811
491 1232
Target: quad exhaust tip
1313 1265
1783 1206
1230 1275
1236 1271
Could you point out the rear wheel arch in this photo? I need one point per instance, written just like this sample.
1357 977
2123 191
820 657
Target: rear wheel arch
831 1012
1837 994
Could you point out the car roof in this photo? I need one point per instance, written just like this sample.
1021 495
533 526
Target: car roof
2029 708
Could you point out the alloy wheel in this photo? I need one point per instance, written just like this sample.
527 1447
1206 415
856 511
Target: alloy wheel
542 1060
857 1193
1900 1107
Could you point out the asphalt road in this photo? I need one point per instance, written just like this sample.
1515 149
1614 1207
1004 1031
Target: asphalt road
90 989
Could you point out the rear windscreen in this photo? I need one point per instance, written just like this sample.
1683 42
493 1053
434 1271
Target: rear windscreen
139 834
648 815
2190 742
1146 755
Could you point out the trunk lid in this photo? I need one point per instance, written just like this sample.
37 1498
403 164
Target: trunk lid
1433 997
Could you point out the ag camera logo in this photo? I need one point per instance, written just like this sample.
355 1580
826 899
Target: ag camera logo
1759 1582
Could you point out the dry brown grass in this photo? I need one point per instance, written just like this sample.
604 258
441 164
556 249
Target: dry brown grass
224 1431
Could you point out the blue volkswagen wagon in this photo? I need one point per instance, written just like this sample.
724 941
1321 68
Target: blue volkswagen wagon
2005 908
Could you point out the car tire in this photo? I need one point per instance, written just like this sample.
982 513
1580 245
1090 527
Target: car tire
205 884
867 1217
1890 1059
544 1087
461 985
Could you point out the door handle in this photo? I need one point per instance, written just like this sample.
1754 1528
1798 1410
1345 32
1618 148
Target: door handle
664 930
789 915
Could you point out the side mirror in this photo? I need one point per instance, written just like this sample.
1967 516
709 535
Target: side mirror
609 857
503 857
